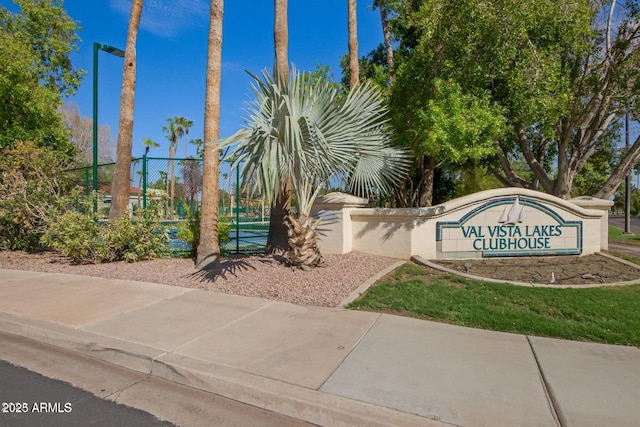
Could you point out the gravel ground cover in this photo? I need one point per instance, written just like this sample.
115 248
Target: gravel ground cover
255 276
327 285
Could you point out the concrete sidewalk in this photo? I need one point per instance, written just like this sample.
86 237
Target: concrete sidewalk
322 365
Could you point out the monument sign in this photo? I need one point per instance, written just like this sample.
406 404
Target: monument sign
510 226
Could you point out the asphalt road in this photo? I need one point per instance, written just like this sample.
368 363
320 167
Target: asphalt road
30 399
618 221
46 373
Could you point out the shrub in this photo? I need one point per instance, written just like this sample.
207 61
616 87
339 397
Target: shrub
31 184
189 230
77 236
81 237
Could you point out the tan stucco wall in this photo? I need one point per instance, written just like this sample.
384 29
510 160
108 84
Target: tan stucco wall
402 233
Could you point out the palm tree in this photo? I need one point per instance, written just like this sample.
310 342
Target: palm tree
198 144
354 66
184 124
148 144
301 132
121 183
174 132
281 205
387 38
208 251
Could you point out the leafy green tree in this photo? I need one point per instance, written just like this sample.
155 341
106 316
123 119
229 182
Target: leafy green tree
443 126
301 133
561 72
31 185
36 73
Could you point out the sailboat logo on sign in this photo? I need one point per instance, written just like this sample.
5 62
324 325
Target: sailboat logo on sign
513 215
497 228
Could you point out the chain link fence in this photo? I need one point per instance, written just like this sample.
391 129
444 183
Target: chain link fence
175 186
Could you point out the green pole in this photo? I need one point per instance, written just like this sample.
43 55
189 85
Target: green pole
86 182
117 52
95 123
238 209
144 181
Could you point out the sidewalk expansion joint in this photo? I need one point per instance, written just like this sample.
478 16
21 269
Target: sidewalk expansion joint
548 392
116 394
364 334
226 325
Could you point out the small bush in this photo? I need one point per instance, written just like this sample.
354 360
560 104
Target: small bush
31 184
189 230
77 236
82 238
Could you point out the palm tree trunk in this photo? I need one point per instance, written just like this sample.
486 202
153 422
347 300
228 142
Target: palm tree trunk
209 247
281 40
387 42
120 184
354 67
277 240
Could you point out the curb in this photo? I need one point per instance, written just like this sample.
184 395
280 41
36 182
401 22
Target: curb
438 267
297 402
366 285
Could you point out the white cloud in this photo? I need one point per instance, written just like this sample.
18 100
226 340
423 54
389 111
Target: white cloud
167 18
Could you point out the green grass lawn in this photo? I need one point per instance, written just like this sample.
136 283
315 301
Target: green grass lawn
607 315
617 235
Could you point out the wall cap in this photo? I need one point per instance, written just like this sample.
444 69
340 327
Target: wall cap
337 200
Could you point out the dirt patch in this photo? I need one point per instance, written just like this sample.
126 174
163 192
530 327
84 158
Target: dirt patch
560 270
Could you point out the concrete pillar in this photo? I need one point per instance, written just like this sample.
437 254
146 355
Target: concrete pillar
587 202
335 225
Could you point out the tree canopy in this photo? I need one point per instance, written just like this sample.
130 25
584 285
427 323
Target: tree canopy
558 75
36 73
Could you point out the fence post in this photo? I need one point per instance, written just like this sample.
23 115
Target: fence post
144 181
86 181
238 209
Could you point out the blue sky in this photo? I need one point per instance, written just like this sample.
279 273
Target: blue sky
172 51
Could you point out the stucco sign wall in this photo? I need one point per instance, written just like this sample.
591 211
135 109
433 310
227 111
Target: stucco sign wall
510 226
494 223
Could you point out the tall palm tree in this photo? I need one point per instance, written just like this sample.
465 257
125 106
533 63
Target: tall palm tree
208 251
354 67
199 145
174 131
301 132
281 205
387 38
121 183
185 124
148 144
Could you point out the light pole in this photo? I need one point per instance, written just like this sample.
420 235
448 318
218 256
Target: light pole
114 51
627 182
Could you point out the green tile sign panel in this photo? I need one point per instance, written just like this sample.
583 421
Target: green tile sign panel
511 226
